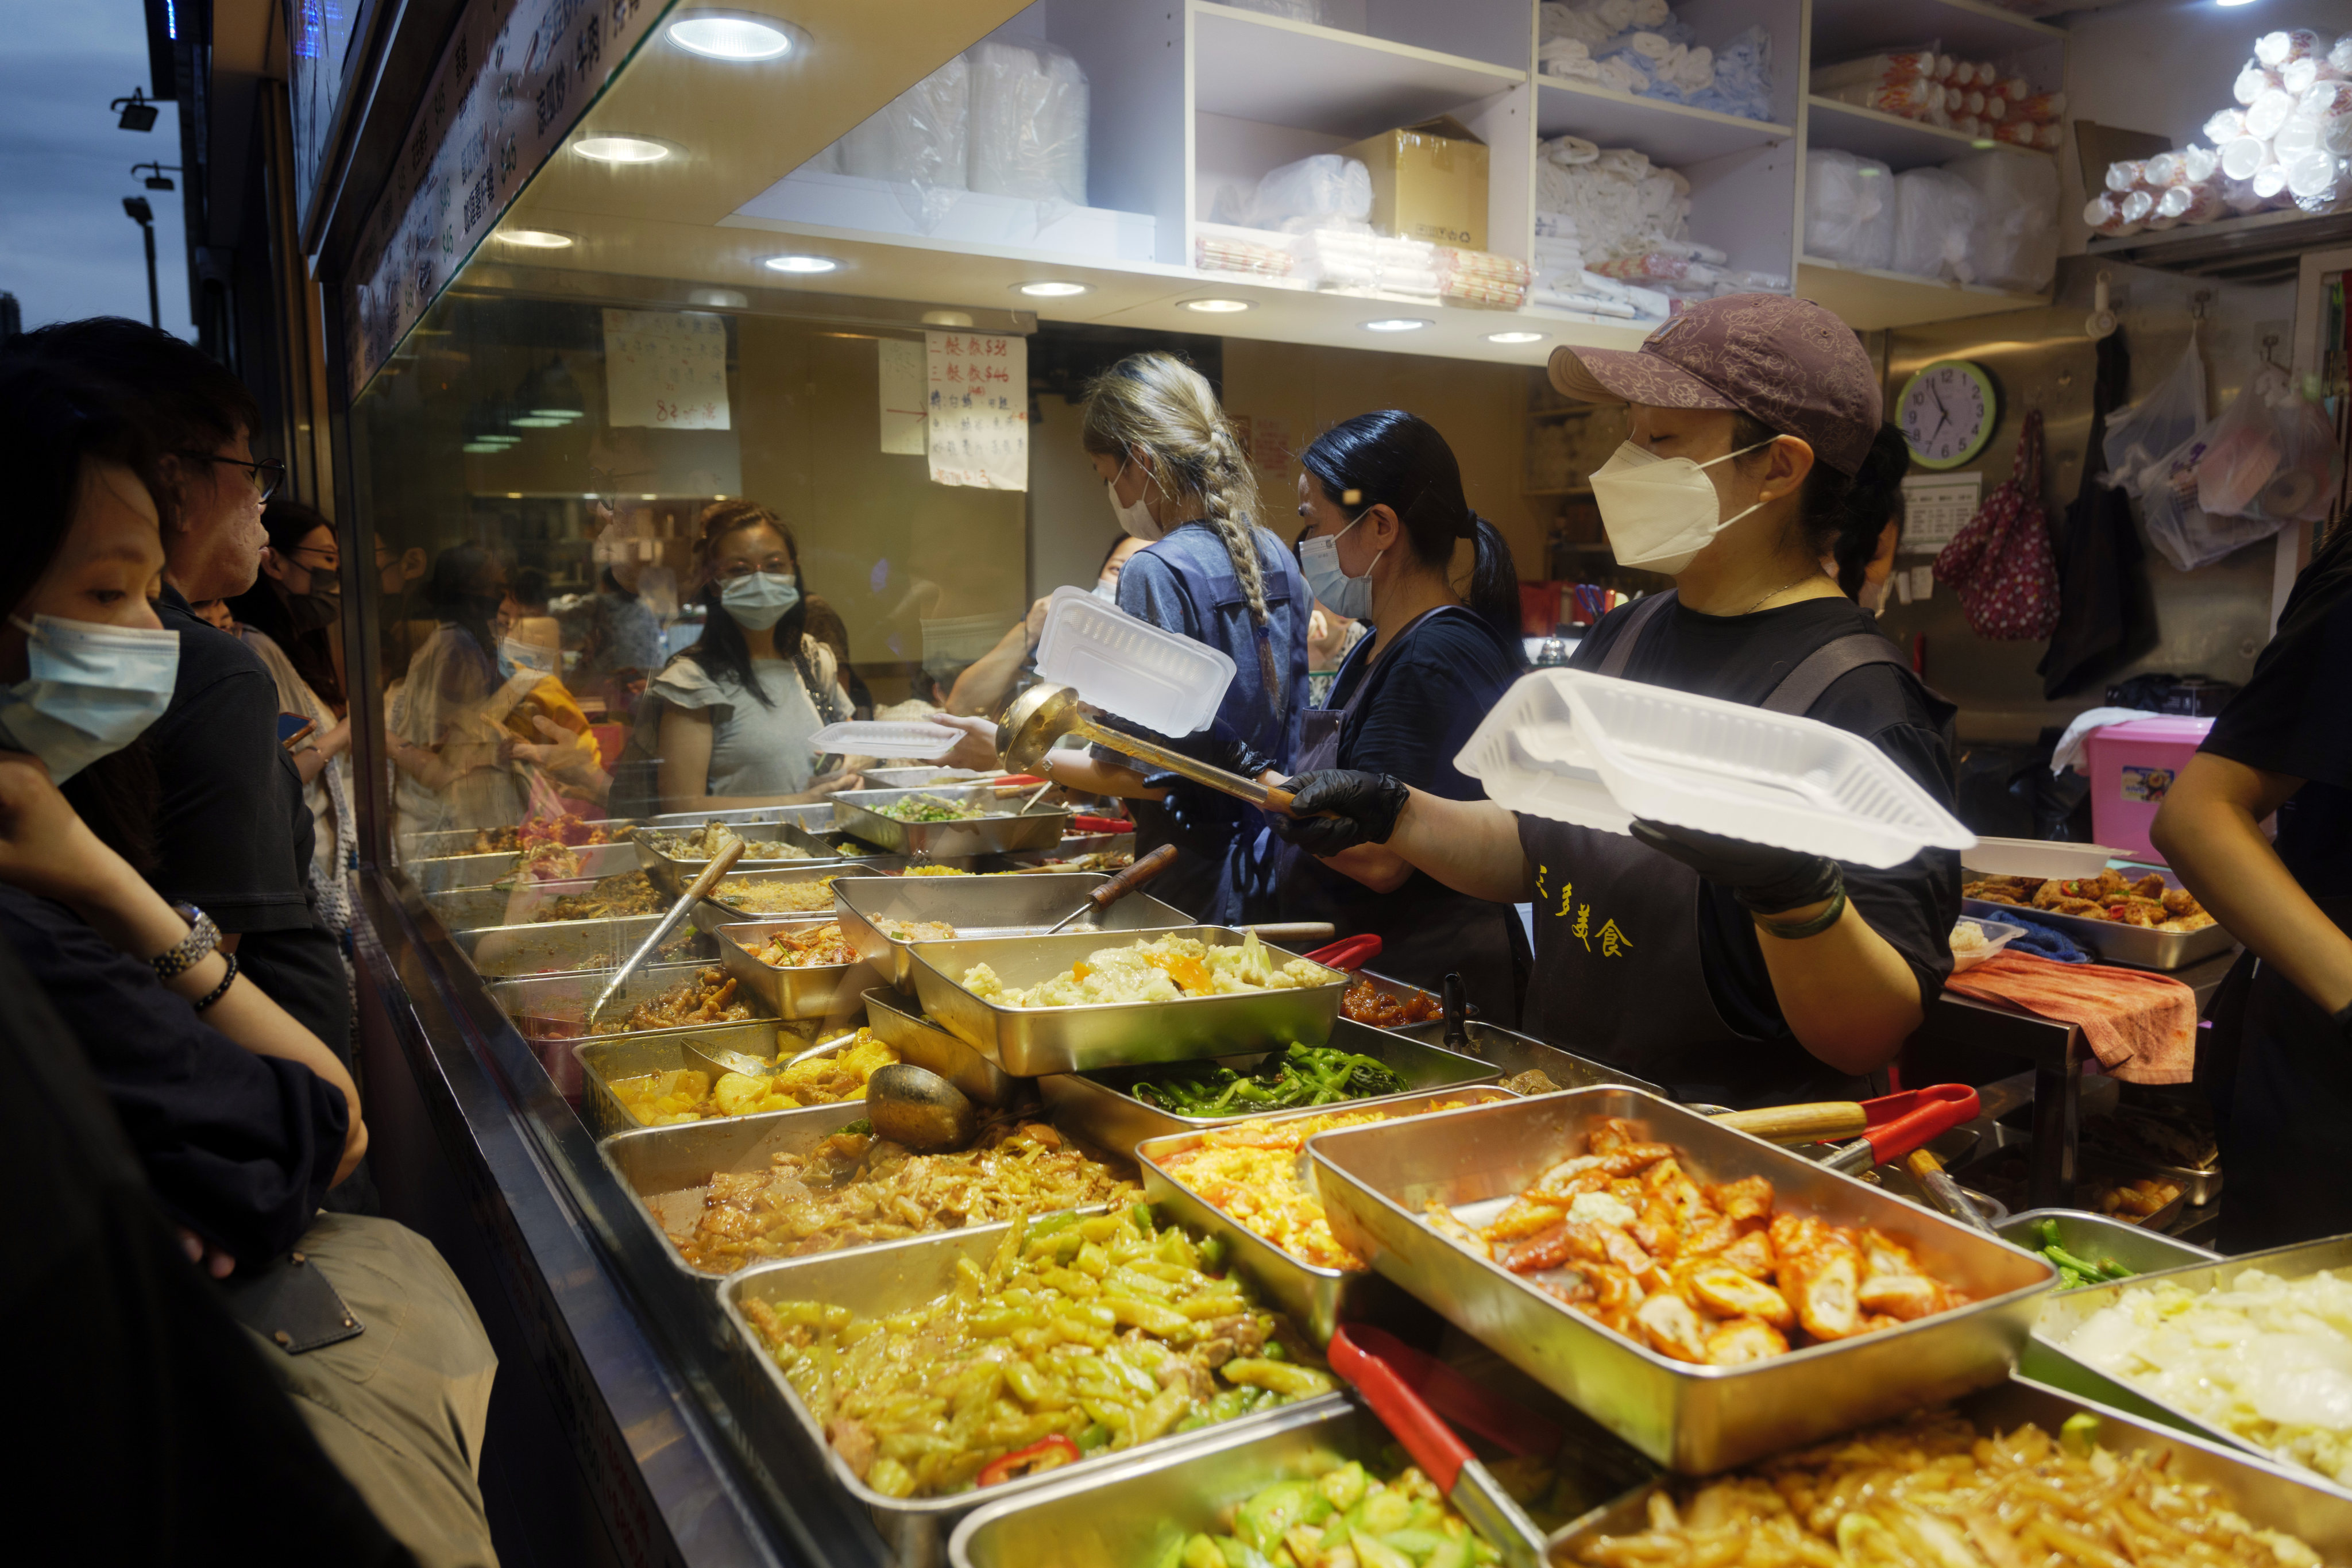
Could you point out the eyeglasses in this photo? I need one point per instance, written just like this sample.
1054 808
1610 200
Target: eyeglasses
266 474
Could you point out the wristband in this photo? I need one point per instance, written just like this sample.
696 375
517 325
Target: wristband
1803 928
221 990
203 937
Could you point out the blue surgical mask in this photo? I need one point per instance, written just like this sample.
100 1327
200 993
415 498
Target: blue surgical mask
758 600
92 689
516 657
1318 561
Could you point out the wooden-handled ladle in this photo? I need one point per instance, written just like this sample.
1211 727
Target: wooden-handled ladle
1044 714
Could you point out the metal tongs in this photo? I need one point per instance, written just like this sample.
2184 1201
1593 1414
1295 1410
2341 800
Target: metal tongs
1892 1127
721 864
1415 1395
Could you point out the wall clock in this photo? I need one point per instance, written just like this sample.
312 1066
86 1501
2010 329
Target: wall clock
1947 413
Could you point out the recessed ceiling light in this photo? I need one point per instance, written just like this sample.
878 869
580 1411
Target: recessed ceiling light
482 448
500 440
537 422
560 415
536 239
715 36
621 150
1517 337
649 495
802 263
719 299
1397 324
1218 306
945 319
1053 289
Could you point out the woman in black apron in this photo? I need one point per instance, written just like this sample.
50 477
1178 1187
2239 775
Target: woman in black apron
2279 1066
1380 496
1725 971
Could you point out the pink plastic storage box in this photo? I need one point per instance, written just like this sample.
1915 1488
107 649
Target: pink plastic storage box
2133 767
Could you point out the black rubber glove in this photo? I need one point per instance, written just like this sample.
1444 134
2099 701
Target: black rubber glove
1192 810
1766 881
1365 808
1246 759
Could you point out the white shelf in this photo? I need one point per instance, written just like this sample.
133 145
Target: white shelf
1280 72
1845 29
1868 300
1896 141
1672 134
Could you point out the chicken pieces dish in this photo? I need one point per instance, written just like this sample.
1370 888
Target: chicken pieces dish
2148 900
1701 1272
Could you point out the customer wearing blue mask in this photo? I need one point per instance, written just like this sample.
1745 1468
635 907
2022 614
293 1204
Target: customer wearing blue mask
1380 496
736 709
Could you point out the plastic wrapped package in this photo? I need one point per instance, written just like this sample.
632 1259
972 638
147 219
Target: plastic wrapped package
2162 169
2015 88
921 138
1313 192
2319 182
2239 196
2253 81
2126 174
1875 71
2340 56
2276 50
1913 100
2015 246
2042 108
1743 77
2138 207
2199 166
2140 433
2269 111
2298 75
1933 212
2328 106
1849 209
2224 126
2190 204
1028 123
2270 183
2103 215
2242 156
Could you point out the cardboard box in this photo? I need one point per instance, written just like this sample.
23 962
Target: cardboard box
1429 182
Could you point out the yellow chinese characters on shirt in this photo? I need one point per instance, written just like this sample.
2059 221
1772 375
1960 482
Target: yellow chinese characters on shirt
1614 943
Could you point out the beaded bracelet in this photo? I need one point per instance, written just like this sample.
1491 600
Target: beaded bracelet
1803 928
221 990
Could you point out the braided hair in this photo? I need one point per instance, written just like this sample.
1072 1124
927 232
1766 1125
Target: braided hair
1157 403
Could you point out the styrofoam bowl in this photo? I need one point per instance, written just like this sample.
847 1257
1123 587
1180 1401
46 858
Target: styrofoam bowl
2037 858
1123 665
1597 751
886 738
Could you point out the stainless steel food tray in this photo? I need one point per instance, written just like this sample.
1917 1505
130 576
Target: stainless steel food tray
2048 1359
2092 1236
1511 1054
877 1281
2263 1494
981 906
508 952
810 871
1039 829
922 777
460 840
1318 1298
2199 1186
1374 1182
445 872
1029 1042
550 1011
675 872
1097 1105
820 991
605 1057
2139 946
1131 1520
898 1021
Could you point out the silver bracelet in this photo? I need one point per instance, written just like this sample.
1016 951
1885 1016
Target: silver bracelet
203 937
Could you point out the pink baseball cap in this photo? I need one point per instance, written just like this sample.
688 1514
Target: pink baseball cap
1790 362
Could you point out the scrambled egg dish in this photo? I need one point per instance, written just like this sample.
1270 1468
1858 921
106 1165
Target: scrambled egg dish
1161 968
664 1098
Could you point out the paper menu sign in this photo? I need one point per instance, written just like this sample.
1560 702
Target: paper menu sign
667 369
978 398
1935 506
901 382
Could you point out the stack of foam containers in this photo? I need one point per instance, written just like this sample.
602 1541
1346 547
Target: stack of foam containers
1849 209
1004 118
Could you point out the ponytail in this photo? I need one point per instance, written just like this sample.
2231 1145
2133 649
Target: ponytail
1494 596
1874 499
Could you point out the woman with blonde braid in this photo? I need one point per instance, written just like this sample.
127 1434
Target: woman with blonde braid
1179 480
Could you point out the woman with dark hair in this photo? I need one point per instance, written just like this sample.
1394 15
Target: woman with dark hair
1728 971
736 709
453 754
1381 497
1862 556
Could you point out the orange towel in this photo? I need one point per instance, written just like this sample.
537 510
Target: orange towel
2141 1027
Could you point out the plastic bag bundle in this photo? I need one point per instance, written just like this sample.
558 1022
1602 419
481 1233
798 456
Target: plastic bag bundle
1849 209
1028 123
1366 263
1217 248
1743 77
922 138
1322 192
2103 215
2015 246
2137 435
1481 277
1934 212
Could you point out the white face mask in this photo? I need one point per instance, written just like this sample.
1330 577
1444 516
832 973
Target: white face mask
1136 519
758 600
1107 591
1660 512
516 655
92 689
1318 563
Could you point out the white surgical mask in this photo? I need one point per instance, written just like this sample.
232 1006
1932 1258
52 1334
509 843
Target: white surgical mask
1136 519
1660 512
758 600
92 689
515 656
1107 591
1318 563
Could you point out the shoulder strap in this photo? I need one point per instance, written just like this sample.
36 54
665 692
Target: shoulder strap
1636 622
1802 687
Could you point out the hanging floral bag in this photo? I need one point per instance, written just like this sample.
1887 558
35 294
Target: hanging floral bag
2000 562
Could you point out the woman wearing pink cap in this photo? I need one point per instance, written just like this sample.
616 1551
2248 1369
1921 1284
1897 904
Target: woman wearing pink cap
1727 972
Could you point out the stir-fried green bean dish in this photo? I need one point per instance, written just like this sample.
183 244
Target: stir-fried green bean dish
1081 1336
1298 1076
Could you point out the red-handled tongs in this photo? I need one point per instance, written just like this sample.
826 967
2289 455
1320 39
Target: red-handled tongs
1415 1395
1889 1127
1348 953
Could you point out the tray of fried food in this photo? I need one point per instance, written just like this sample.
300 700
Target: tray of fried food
942 1372
796 968
674 858
501 953
542 861
2140 918
657 997
1706 1296
883 915
727 1195
649 1080
2018 1474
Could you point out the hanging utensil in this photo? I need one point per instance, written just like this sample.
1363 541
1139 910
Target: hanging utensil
717 1059
1044 714
721 864
1942 1191
1454 1007
916 1107
1099 902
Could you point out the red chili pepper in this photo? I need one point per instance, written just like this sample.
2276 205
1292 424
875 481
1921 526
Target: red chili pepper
1047 1454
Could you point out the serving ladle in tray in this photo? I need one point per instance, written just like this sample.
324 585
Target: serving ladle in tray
1044 714
721 864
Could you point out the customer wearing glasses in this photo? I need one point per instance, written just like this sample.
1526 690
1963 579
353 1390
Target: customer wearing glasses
232 833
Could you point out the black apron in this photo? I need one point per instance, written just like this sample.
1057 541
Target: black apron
2286 1129
1619 964
1427 930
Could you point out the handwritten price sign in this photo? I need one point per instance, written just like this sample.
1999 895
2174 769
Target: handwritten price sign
667 369
977 397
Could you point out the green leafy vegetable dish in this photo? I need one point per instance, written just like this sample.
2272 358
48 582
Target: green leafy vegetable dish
1300 1076
927 808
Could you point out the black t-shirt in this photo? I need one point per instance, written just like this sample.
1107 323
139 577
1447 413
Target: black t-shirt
239 1148
232 830
1423 701
2295 718
1742 658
